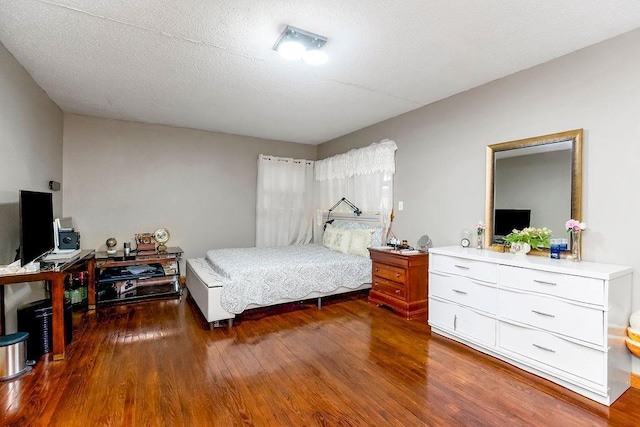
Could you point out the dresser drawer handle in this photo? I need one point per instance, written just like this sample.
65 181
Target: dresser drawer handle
543 348
397 291
542 314
377 269
459 292
464 267
397 274
542 282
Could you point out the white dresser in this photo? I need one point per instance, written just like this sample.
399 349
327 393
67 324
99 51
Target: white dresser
562 320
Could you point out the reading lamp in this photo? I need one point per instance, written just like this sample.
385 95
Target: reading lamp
343 200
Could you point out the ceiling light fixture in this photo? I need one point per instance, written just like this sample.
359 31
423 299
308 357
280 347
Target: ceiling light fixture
295 43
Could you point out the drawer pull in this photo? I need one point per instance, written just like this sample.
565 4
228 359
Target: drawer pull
397 274
377 269
459 292
543 348
397 291
463 267
542 314
542 282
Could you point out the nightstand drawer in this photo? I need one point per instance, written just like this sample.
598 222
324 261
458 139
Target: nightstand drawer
390 272
389 287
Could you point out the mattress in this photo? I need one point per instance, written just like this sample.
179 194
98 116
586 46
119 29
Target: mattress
262 276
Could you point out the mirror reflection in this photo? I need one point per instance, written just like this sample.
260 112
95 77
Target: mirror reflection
536 182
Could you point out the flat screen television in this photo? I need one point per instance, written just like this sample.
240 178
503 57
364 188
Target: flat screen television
505 220
36 225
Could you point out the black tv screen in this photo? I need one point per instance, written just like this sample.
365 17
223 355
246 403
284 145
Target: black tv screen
36 225
505 220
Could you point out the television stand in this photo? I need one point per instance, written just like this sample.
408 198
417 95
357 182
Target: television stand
138 276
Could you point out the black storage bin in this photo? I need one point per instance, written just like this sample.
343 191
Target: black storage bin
36 319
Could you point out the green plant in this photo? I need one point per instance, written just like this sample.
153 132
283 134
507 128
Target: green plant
537 238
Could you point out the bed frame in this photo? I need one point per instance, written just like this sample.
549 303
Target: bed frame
205 288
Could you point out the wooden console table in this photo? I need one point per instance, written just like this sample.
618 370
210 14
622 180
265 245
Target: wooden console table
54 273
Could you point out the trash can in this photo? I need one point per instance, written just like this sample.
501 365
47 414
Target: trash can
13 355
36 319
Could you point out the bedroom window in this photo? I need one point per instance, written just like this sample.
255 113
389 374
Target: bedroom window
284 206
364 176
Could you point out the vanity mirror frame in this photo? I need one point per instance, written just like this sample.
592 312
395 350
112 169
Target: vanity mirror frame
572 136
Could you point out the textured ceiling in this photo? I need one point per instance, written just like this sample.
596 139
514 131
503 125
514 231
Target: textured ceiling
209 64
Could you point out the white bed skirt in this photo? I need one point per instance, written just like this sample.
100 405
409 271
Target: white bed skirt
205 287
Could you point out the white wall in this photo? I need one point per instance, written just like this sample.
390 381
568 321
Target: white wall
122 178
31 156
441 147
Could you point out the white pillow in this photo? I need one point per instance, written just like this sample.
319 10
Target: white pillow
360 241
329 236
341 241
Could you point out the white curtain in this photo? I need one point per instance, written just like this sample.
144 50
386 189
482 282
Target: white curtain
284 208
364 176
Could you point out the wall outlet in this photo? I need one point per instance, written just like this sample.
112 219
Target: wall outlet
400 206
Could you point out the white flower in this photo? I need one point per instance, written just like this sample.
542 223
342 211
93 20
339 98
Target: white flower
583 226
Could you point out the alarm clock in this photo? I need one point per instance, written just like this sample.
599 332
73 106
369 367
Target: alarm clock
465 238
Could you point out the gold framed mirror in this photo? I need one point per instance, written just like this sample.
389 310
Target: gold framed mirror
540 177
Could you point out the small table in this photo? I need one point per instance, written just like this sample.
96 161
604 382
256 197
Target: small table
400 282
54 273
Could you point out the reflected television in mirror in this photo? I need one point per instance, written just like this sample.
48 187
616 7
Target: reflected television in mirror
506 220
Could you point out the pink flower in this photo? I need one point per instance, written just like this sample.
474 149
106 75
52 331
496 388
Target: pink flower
573 225
481 226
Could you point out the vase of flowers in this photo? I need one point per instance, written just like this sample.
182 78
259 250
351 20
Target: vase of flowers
575 228
480 227
522 241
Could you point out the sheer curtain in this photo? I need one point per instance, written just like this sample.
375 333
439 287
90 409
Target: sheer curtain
364 176
284 208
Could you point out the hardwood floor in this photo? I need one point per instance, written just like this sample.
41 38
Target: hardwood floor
155 364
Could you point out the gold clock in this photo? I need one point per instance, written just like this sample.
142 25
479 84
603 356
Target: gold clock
162 237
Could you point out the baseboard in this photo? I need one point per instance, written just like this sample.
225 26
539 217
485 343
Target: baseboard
635 380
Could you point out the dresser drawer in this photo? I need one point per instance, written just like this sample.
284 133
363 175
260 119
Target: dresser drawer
462 321
484 271
576 288
586 324
547 349
465 291
389 287
390 272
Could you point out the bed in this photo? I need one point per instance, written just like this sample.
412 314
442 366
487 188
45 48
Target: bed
229 281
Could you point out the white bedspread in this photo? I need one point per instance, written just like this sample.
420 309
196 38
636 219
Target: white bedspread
265 275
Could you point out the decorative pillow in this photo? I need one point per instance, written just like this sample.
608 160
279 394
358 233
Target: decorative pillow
376 239
360 241
341 241
336 239
329 236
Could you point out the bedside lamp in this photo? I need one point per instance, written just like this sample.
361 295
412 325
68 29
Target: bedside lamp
343 200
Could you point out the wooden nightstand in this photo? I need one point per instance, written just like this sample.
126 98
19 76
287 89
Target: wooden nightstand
399 281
